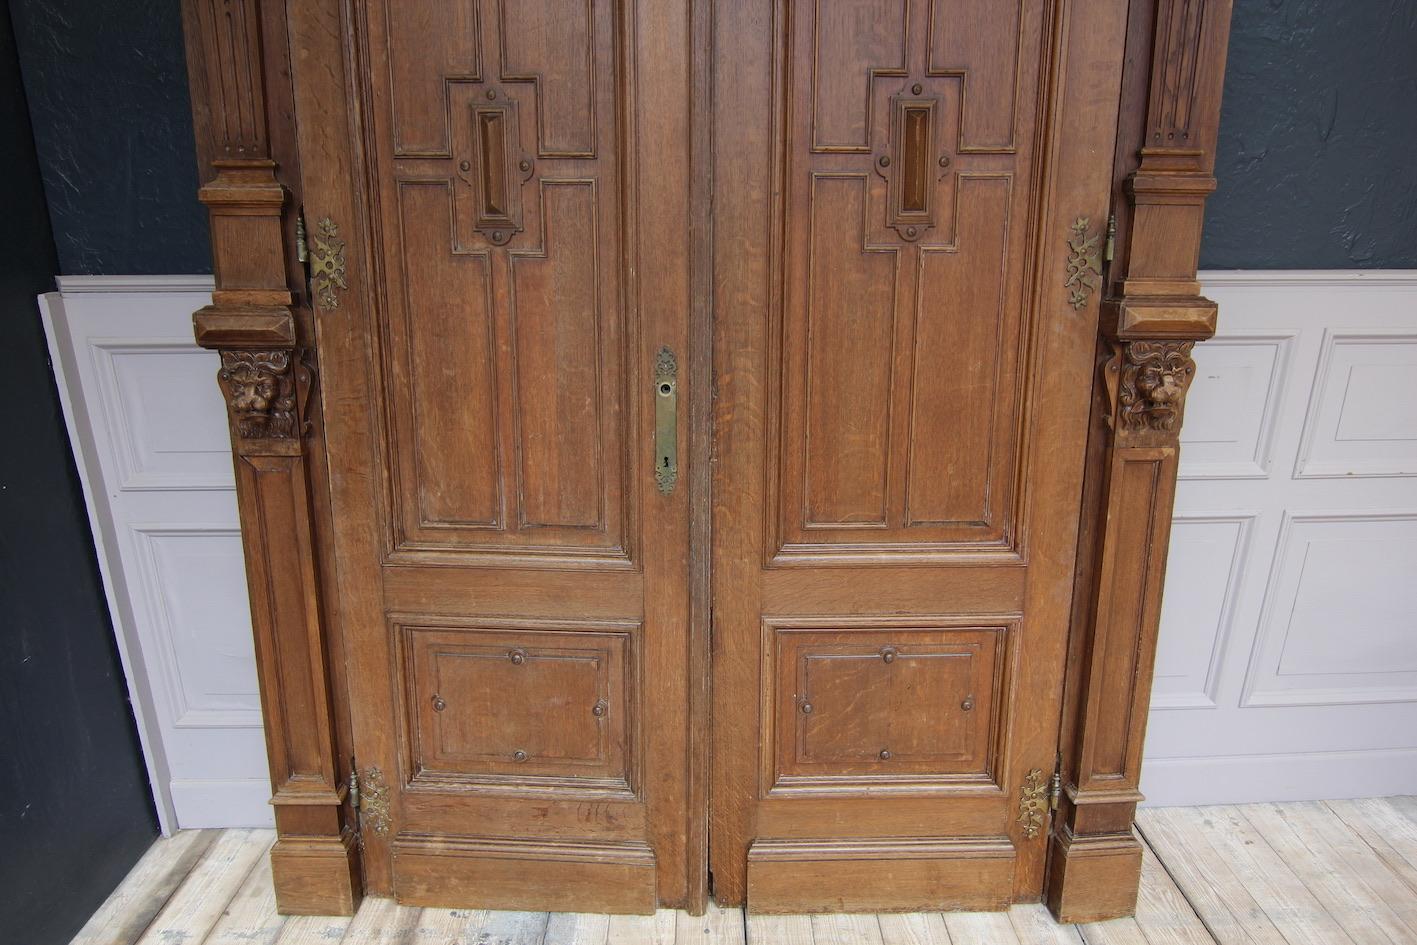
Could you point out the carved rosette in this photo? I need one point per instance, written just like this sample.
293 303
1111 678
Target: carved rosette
1151 392
262 395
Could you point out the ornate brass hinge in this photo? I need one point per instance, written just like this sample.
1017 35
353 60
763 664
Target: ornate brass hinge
1038 799
369 796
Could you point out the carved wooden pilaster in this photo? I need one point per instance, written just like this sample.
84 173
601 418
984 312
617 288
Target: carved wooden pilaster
1151 321
268 382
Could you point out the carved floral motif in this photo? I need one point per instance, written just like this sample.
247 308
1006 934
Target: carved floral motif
1155 378
261 393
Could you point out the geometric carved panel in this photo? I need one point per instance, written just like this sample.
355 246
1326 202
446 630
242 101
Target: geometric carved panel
165 419
509 708
1338 624
497 152
899 359
1362 418
1230 417
1203 571
848 705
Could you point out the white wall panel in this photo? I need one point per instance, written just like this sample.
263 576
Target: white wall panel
1231 411
1362 418
1289 642
1204 569
148 426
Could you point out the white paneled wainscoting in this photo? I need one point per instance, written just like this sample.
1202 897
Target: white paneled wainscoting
1288 662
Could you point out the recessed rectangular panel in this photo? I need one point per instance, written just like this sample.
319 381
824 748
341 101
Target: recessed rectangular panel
1204 564
979 40
959 451
1362 418
1338 624
428 42
519 707
562 391
166 421
852 40
845 388
892 704
448 460
551 43
203 653
1230 411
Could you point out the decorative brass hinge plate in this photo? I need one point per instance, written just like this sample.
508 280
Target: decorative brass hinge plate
1033 803
327 264
370 796
1084 264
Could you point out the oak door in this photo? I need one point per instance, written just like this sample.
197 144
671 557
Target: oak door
909 201
497 202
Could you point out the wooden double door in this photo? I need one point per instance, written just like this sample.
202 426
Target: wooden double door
700 397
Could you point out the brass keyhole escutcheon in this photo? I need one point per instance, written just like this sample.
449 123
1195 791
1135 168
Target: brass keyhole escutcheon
666 421
438 704
888 654
599 709
518 657
968 704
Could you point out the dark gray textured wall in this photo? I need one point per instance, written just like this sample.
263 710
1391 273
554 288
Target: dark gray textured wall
107 88
1317 160
75 812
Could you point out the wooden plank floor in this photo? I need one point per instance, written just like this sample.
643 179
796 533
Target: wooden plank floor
1320 873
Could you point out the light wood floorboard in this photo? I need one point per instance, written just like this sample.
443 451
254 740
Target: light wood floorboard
1318 873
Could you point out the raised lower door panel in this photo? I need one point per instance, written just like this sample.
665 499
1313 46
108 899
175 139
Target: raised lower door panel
903 357
498 220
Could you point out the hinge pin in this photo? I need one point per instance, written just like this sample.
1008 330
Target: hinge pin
302 247
1055 790
1111 247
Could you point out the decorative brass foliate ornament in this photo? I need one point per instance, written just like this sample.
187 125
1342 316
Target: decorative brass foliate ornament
1154 381
1033 803
260 389
374 801
327 264
1084 264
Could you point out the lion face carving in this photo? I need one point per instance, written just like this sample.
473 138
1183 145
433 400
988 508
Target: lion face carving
260 390
1155 377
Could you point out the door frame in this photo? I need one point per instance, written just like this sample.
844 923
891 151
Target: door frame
261 320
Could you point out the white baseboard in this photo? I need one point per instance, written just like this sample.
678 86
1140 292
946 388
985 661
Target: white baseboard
237 803
1249 779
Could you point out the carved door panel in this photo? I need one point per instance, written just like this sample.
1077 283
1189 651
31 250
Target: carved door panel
497 195
910 197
